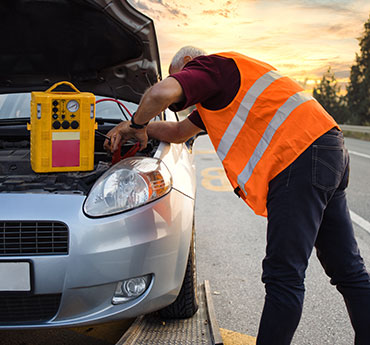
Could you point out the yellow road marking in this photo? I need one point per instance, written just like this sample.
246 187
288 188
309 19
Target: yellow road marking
215 179
234 338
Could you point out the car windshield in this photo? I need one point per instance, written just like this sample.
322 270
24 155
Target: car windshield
18 105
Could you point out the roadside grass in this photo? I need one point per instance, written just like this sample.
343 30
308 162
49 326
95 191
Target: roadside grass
357 135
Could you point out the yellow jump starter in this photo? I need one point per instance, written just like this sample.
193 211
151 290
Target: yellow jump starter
62 130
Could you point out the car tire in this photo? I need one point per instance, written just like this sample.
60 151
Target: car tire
186 303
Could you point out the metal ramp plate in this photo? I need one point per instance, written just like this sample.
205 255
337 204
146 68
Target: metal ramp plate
201 329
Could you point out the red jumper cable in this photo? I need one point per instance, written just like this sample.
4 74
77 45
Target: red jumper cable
117 155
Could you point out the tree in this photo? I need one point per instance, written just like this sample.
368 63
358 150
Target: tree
327 93
358 90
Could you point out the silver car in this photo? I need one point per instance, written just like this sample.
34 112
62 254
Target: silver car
84 247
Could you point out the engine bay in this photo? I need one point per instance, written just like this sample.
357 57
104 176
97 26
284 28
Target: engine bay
17 175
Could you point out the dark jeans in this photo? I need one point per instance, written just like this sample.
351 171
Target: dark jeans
307 207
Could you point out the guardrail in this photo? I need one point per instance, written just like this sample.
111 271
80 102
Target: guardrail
352 128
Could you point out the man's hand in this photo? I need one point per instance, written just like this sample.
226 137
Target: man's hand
155 100
123 132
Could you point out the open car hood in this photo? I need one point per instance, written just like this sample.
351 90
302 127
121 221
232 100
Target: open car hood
102 46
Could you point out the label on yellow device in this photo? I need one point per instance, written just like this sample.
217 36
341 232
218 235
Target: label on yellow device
62 130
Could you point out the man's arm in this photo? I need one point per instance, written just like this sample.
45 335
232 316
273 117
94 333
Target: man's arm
156 99
173 132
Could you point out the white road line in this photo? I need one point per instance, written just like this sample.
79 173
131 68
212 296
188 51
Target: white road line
359 154
363 223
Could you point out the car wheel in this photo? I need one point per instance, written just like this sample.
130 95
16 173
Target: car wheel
186 303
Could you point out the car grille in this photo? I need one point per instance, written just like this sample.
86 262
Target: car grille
33 238
17 308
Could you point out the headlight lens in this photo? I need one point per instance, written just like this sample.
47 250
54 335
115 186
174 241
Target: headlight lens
128 184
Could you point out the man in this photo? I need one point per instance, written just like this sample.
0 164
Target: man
285 157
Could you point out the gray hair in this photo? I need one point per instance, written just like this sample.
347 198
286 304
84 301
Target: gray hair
193 52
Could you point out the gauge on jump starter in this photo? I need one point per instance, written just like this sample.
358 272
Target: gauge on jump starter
72 106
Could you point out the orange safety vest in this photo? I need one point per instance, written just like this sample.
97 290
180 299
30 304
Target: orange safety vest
267 125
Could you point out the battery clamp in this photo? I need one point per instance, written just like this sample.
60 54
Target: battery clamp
62 130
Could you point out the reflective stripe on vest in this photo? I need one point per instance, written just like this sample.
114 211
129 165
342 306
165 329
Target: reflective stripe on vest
280 116
241 115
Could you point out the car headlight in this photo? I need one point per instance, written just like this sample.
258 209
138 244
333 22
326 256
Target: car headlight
128 184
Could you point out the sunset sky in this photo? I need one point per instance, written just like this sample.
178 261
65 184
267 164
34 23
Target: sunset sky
301 38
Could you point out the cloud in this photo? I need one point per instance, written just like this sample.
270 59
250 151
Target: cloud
340 69
140 5
176 12
221 12
288 65
340 31
337 28
246 22
349 30
171 8
226 10
340 6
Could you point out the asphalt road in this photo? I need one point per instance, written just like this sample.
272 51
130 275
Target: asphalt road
231 245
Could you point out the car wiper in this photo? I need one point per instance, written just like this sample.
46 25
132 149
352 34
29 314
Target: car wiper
14 121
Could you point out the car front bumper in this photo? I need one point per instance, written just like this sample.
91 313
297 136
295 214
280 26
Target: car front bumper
153 239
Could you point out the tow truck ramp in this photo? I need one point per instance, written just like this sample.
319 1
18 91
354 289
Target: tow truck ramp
201 329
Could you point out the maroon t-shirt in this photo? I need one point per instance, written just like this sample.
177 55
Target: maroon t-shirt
211 80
